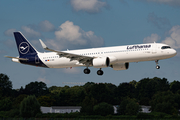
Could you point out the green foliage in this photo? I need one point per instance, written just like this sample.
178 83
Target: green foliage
29 107
101 92
128 107
5 104
5 85
71 96
125 90
18 100
103 109
148 87
165 107
13 113
144 116
165 102
144 101
87 105
132 108
162 96
36 88
46 101
175 86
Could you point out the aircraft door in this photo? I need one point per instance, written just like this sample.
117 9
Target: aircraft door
154 48
36 59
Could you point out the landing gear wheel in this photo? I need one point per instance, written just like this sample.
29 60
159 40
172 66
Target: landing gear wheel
87 71
100 72
157 67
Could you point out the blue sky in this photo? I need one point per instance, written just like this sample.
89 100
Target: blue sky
76 24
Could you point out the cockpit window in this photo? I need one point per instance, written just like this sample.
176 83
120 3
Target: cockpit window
165 47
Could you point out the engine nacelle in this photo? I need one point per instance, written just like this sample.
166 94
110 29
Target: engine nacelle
101 62
120 66
112 59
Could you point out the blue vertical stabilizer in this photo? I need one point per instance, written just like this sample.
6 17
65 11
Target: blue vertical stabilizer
23 45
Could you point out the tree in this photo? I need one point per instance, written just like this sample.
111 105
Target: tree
5 85
100 92
128 107
147 87
103 109
165 102
46 101
36 88
87 105
29 107
76 95
5 104
132 108
175 86
140 87
125 90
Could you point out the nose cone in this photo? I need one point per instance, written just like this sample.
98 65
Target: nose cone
173 52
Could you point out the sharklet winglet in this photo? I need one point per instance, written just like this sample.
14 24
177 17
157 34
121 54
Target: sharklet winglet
43 45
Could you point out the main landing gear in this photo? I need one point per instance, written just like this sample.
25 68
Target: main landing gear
100 72
87 71
157 66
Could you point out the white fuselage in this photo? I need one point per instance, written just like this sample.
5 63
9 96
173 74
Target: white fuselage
118 54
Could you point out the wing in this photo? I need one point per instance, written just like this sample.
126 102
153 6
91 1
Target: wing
86 60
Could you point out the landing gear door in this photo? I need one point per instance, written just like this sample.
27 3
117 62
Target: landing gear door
154 48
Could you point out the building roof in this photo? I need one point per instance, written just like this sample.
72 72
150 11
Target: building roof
66 107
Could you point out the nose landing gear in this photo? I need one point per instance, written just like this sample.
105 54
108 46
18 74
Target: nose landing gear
157 66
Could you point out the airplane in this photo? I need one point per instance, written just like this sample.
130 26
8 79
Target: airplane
117 57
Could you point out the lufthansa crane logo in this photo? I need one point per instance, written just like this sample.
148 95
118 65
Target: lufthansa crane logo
24 48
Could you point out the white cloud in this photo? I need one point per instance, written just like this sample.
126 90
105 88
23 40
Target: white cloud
54 44
167 2
174 39
89 6
72 36
152 38
68 36
43 73
29 32
72 70
9 32
43 80
70 32
46 26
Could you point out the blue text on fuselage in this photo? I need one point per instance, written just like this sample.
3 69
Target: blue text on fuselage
138 46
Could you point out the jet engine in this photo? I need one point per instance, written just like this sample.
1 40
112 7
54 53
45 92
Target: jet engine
101 62
120 66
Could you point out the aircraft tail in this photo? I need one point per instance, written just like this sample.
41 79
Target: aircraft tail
23 45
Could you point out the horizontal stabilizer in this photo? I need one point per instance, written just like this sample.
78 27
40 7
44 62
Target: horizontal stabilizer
16 58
